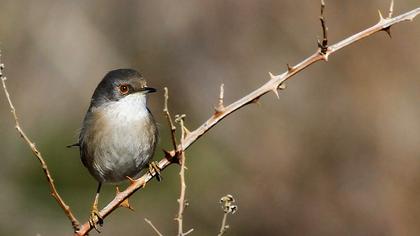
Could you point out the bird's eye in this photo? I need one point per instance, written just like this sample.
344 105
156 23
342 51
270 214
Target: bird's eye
123 89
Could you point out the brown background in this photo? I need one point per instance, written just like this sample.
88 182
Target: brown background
338 154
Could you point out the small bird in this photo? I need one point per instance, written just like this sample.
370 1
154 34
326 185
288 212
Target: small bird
119 134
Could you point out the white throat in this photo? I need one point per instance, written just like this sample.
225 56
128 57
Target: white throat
130 108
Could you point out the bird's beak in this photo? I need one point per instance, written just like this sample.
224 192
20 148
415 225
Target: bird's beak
149 90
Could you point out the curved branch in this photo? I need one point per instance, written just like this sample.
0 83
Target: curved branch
74 222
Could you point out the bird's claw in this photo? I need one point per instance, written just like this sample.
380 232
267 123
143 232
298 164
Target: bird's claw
95 219
154 170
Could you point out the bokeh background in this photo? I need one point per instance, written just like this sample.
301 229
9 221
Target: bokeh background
337 154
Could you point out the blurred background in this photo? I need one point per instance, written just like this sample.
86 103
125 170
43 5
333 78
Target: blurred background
338 154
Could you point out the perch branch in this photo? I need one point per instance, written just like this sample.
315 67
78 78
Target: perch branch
276 82
38 155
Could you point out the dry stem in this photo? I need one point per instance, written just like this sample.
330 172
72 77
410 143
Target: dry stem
169 118
324 44
181 199
228 207
153 227
38 155
223 225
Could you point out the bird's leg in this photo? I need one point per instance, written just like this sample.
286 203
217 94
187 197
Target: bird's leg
124 203
95 217
154 169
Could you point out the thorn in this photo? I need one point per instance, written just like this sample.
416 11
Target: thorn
132 181
187 131
276 92
388 31
282 86
381 18
290 69
220 107
124 203
324 55
256 100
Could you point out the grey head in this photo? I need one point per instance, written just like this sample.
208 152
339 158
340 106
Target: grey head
118 84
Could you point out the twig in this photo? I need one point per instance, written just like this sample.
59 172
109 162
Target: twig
272 84
153 227
74 222
169 118
181 199
228 207
220 106
391 9
223 226
324 44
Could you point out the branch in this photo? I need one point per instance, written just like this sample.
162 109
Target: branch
37 153
181 199
276 82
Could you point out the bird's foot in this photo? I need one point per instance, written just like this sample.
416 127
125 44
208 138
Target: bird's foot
154 170
124 203
95 218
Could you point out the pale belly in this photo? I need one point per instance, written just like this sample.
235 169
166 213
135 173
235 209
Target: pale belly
118 146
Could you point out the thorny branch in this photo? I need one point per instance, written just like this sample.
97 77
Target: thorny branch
74 222
276 82
181 199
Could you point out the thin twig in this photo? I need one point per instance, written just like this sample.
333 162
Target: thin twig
273 83
169 118
391 9
153 227
324 44
223 225
183 186
228 208
74 222
188 232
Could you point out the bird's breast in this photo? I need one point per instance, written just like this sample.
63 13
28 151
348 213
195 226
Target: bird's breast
121 140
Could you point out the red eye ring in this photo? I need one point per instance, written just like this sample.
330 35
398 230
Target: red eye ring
123 89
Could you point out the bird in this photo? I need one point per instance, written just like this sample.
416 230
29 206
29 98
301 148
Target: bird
119 134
